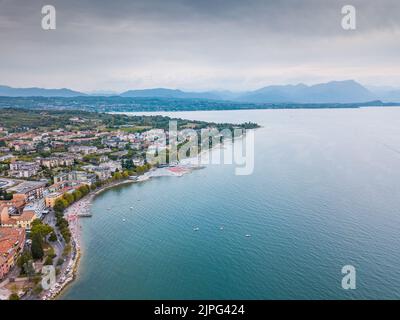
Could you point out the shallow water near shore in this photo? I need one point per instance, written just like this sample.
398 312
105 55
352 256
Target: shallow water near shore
325 193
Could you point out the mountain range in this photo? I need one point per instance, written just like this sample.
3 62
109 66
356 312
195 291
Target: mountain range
38 92
348 91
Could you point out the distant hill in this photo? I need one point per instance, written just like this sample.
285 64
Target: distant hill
332 92
348 91
387 94
169 93
38 92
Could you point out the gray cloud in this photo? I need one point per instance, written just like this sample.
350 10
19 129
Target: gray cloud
201 44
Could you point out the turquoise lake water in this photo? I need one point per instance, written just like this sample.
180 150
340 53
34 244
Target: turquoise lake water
325 193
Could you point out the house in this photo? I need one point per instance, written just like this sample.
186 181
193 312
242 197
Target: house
19 145
15 205
102 173
7 157
50 199
28 190
112 165
12 241
120 154
138 162
19 221
37 207
104 150
83 149
54 162
23 169
79 176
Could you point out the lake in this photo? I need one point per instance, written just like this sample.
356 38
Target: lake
325 192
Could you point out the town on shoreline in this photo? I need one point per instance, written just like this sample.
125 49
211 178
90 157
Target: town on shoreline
52 164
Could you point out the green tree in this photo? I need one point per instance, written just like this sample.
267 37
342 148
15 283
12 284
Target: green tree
13 296
60 205
24 262
38 227
117 176
69 198
77 195
48 261
37 247
53 237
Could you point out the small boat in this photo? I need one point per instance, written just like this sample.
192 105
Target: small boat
248 235
221 228
123 220
131 208
196 229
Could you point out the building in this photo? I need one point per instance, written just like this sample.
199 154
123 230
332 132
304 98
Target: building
12 242
102 173
138 162
50 199
37 207
23 221
23 169
7 157
83 149
22 145
54 162
79 176
29 190
20 221
120 154
103 151
15 205
112 165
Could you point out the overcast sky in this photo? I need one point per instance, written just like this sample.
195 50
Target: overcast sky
197 44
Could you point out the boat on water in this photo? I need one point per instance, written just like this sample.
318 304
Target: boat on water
248 235
131 208
196 229
84 215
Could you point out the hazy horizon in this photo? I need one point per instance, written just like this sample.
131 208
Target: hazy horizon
197 45
105 91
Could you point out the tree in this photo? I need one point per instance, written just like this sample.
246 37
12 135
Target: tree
84 190
69 198
53 237
13 296
60 205
25 263
37 247
125 174
38 227
117 176
77 195
48 261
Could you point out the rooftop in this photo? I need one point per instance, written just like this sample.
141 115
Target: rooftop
27 186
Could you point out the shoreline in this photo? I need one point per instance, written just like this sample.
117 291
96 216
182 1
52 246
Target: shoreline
82 206
72 215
